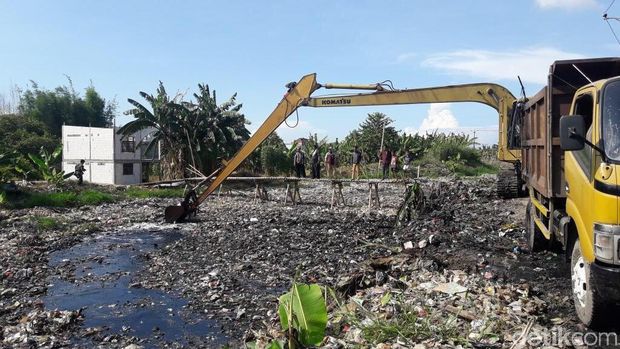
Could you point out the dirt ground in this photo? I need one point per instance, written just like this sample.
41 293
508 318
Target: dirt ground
116 276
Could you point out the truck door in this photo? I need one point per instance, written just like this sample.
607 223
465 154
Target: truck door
578 169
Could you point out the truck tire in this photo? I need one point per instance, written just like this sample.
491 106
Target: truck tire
508 184
591 308
536 241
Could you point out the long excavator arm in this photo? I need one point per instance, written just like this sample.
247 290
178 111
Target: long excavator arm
299 94
493 95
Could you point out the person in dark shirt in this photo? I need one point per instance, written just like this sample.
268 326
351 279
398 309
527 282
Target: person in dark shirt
356 159
79 171
386 159
299 161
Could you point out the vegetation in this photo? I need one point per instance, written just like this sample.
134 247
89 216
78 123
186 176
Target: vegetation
70 196
197 132
46 223
63 105
143 193
303 312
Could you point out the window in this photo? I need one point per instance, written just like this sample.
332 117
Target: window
584 106
611 120
128 145
127 169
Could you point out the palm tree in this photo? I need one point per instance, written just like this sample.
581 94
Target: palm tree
197 132
165 117
214 131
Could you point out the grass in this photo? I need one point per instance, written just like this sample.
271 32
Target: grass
143 193
406 325
60 199
47 223
75 197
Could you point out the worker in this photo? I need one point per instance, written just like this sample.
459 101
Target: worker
316 162
385 157
79 171
299 161
407 160
330 163
356 159
394 164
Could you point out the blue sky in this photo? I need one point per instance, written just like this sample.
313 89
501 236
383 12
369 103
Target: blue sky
254 48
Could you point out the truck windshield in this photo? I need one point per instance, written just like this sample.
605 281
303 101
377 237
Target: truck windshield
611 120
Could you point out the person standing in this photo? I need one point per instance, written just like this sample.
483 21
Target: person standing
330 163
356 159
407 160
79 171
299 160
316 162
385 158
394 164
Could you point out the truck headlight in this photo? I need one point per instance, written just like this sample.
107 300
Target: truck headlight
606 239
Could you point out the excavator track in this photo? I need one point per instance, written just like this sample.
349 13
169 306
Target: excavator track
508 184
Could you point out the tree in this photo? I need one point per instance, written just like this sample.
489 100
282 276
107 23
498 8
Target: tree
214 131
21 136
165 116
64 106
368 136
274 156
197 133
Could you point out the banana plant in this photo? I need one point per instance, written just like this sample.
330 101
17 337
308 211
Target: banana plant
44 165
303 314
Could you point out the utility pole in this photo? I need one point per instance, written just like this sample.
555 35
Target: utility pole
385 123
474 138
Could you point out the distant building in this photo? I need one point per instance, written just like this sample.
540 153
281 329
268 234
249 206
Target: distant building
109 158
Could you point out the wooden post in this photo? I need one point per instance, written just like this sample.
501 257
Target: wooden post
337 195
260 193
296 195
288 192
373 188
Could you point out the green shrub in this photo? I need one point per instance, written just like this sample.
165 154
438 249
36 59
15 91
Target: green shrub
47 223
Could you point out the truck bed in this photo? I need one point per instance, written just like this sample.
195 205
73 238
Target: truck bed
542 158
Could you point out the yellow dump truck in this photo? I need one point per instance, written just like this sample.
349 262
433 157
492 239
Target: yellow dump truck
570 137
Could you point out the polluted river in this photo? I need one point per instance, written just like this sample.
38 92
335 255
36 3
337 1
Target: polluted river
116 276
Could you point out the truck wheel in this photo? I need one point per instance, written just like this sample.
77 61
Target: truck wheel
536 241
507 184
590 306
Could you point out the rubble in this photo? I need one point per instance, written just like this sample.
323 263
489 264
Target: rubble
460 267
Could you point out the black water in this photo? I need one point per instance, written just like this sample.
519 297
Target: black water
97 275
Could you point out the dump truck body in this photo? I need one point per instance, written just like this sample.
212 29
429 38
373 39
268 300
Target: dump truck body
571 162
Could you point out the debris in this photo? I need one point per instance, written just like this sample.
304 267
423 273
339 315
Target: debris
450 288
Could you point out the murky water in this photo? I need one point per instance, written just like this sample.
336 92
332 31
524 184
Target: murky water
97 275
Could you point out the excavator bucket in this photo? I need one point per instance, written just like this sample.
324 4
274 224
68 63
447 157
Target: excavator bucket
175 214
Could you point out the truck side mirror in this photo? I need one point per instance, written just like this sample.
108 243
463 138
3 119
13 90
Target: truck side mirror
572 132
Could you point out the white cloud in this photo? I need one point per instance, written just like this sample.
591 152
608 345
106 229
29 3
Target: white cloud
566 4
532 64
441 119
302 130
439 116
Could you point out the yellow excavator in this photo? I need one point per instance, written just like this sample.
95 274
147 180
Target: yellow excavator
299 94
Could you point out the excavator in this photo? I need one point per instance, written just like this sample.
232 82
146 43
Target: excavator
299 95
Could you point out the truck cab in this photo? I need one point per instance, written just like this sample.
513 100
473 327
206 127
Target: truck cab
590 137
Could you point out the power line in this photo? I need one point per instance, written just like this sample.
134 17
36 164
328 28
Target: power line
606 18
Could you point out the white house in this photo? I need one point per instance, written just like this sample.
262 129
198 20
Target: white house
109 158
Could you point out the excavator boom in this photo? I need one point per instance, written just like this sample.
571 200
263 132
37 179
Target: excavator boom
299 94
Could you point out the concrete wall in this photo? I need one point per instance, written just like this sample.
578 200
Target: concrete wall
102 151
